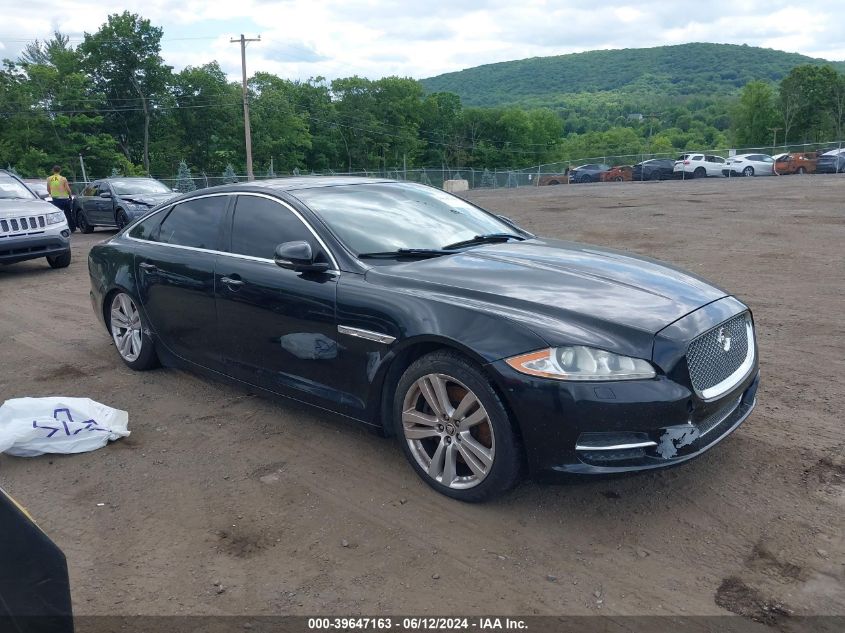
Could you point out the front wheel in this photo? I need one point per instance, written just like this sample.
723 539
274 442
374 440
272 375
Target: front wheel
454 429
586 178
59 261
82 222
120 219
128 332
748 171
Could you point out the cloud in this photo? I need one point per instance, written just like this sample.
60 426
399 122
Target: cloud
374 38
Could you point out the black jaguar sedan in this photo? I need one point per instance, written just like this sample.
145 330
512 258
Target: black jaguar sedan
488 351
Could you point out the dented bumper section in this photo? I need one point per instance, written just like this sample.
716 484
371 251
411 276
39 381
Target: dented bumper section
622 426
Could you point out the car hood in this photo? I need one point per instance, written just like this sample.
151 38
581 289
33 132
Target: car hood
18 208
563 291
149 199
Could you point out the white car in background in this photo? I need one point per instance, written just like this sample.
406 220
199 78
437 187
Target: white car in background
698 166
750 165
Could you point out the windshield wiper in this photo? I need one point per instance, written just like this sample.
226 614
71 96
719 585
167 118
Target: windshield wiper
406 252
488 238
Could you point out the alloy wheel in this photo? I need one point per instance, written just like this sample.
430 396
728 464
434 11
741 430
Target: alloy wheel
126 327
448 431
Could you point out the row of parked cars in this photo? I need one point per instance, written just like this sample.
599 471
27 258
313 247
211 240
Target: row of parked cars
701 165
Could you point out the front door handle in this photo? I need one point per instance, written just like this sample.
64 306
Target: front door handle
232 283
147 266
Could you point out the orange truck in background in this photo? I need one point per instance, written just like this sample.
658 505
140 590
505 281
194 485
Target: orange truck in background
617 174
795 163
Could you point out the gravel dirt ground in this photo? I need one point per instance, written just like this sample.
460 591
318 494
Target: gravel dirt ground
225 502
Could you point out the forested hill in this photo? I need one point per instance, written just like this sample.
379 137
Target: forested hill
696 69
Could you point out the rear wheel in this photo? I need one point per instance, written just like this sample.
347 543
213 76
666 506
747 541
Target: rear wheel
59 261
454 429
82 222
699 172
128 332
748 171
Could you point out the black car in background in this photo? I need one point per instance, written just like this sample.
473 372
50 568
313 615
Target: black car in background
587 173
832 162
483 348
654 169
118 201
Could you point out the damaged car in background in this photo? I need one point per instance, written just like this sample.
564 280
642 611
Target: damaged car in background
487 351
115 202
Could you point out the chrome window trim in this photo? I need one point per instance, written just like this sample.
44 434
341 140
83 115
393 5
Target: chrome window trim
741 373
335 269
366 334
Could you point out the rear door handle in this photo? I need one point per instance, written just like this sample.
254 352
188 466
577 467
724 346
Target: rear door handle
147 266
232 283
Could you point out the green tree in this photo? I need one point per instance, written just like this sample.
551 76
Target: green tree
184 180
123 59
754 114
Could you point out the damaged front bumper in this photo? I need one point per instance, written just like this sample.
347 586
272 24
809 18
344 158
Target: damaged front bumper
619 427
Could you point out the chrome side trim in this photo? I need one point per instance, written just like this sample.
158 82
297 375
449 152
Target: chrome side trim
615 447
741 372
366 334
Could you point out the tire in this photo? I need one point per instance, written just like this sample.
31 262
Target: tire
748 171
699 172
618 179
59 261
655 176
801 171
585 178
554 182
82 223
477 462
128 331
120 219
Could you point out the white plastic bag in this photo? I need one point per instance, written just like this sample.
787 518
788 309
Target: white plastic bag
34 426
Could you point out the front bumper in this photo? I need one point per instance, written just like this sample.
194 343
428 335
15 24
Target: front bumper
19 249
651 423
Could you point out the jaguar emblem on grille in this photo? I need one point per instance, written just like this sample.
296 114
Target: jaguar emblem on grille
724 339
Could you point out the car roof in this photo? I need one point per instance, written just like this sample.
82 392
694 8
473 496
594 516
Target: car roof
293 183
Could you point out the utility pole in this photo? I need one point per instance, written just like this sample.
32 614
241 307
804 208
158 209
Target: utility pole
247 132
82 164
774 131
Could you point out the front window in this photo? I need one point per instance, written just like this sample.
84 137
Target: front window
129 186
13 189
384 217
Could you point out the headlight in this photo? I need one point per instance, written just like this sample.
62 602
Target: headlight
581 363
55 218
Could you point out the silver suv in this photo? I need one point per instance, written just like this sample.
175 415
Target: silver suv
30 227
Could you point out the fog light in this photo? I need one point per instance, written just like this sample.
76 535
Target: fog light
65 233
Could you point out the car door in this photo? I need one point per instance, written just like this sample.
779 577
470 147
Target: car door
87 199
715 164
277 327
175 278
103 213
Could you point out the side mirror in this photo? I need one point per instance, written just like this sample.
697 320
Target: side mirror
298 256
105 194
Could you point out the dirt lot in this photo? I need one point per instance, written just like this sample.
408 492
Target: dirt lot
223 502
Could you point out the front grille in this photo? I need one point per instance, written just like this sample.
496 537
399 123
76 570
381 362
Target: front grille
710 364
27 224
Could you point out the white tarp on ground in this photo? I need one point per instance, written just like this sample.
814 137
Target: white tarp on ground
34 426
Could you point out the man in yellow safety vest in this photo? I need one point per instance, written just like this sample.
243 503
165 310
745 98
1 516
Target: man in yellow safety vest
60 192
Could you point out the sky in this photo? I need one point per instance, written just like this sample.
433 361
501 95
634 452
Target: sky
301 39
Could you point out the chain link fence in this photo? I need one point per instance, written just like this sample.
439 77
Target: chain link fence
499 178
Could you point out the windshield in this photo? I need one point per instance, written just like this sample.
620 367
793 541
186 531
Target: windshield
384 217
138 186
13 189
38 187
